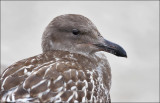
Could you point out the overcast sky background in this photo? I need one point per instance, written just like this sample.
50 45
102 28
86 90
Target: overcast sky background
132 24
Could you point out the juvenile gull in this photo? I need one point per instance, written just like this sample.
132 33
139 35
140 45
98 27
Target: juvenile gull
68 70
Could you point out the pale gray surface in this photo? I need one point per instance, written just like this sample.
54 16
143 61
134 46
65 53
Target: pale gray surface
132 24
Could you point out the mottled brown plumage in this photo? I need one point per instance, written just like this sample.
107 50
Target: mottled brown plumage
60 73
68 70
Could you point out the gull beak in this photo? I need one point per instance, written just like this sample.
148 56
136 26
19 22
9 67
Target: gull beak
112 48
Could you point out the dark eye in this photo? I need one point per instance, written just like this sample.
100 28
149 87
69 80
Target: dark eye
75 31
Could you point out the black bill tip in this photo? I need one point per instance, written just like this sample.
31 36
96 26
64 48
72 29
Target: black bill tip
112 48
119 51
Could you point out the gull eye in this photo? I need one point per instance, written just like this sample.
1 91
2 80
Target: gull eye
75 31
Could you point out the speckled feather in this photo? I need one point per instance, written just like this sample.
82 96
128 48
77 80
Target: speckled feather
57 76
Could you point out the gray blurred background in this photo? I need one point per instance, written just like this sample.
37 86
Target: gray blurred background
132 24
